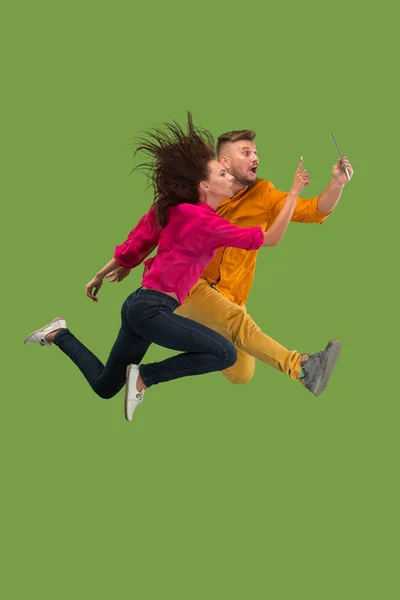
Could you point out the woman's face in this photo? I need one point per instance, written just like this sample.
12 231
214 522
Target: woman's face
219 184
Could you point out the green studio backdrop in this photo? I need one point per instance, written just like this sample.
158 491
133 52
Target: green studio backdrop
214 491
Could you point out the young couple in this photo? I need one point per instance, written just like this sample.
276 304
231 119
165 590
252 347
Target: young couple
179 305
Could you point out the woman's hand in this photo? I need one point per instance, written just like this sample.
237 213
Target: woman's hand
93 287
118 274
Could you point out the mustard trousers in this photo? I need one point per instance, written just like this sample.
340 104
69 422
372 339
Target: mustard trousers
208 306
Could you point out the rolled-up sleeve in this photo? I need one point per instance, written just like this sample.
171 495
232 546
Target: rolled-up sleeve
140 242
223 234
306 209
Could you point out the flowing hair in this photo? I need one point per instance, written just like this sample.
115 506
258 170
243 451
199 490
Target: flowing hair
177 163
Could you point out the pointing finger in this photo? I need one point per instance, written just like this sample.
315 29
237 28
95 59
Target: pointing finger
300 167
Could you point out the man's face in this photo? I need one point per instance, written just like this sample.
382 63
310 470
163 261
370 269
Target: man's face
240 160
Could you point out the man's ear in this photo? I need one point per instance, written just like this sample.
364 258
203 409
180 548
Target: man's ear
224 160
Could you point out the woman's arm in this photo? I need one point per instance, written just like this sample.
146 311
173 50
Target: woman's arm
140 243
110 266
275 233
95 284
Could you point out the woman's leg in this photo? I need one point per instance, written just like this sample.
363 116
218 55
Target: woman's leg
204 350
107 380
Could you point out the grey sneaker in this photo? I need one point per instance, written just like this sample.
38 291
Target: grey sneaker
318 367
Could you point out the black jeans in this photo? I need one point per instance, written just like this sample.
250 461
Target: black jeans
147 317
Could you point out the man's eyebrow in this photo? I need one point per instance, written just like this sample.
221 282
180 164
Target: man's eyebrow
248 148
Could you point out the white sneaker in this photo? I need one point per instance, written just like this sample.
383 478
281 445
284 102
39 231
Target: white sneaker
132 396
38 336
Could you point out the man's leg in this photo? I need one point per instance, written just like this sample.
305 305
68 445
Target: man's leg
208 306
243 369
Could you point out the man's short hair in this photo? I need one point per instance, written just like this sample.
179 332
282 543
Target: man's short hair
234 136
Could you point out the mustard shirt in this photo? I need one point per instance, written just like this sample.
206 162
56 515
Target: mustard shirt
231 271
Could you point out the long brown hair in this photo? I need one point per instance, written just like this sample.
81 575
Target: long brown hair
178 161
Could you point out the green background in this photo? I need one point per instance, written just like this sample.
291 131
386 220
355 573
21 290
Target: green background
214 490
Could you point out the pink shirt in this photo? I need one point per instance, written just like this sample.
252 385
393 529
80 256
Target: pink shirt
186 245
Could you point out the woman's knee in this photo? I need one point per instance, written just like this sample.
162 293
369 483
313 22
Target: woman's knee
106 393
230 355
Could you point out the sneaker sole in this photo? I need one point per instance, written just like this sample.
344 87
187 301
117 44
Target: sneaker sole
128 370
42 328
333 351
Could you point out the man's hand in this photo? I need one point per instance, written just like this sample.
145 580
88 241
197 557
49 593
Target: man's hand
118 274
93 287
339 174
301 179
